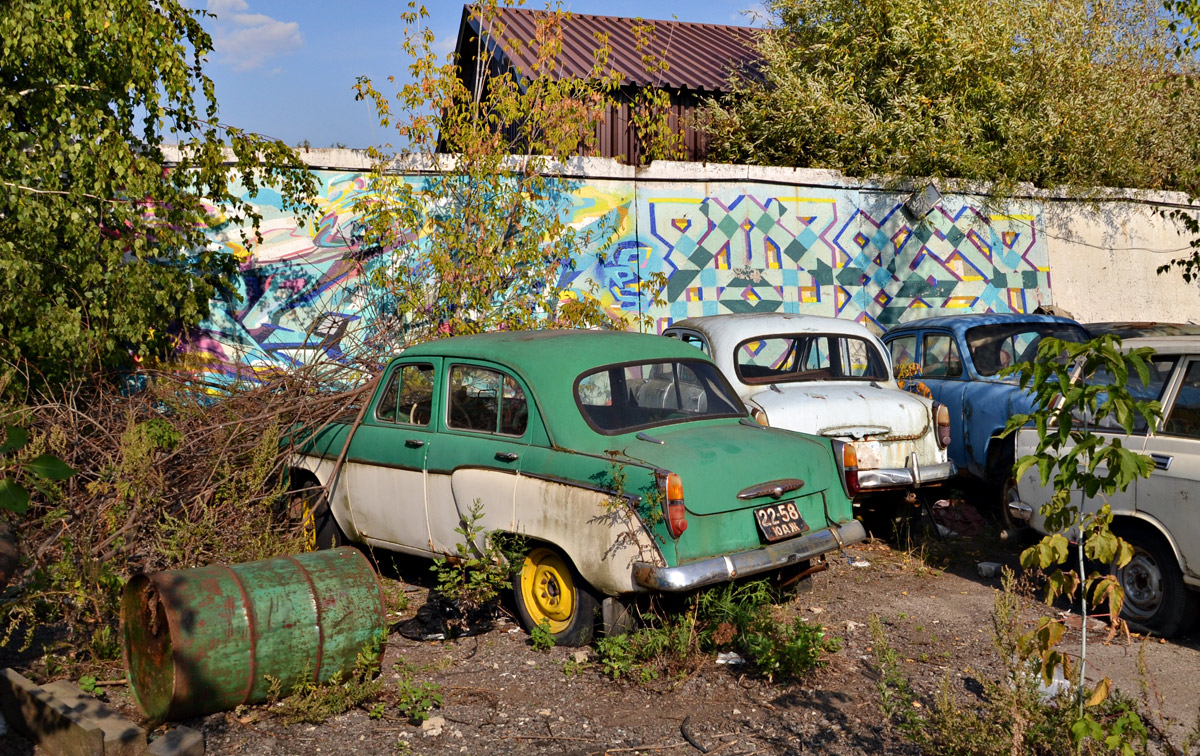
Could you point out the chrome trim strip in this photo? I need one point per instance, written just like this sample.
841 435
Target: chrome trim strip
720 569
901 477
772 488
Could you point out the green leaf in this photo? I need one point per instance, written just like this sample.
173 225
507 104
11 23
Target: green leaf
13 496
49 466
15 437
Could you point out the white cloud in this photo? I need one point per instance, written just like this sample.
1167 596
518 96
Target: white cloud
221 7
248 40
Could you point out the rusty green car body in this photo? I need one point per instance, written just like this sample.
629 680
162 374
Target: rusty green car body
625 461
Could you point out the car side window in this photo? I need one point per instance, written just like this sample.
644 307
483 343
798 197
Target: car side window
939 356
1183 419
904 352
486 400
692 339
408 399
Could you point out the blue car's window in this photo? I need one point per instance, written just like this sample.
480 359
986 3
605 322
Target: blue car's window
1184 416
808 357
486 400
622 398
940 356
1160 373
995 347
409 396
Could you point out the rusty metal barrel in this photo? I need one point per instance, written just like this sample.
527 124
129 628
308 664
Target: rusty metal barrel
207 639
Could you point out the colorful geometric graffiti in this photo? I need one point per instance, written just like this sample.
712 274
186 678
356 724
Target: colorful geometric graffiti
720 247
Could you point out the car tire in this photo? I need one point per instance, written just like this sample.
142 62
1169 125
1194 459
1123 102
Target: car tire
321 529
548 589
1156 598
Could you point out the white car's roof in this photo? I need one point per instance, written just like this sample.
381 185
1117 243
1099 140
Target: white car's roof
737 327
1165 344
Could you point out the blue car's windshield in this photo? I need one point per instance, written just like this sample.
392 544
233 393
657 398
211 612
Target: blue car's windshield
622 398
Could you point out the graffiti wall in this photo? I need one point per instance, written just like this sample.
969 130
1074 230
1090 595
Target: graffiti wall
720 246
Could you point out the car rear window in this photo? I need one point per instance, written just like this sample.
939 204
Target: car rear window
808 357
626 397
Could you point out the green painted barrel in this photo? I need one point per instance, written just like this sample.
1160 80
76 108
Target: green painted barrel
205 640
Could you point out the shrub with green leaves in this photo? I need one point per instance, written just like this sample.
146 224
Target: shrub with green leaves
735 617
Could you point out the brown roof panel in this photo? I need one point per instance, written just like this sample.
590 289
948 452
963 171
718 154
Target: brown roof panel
699 56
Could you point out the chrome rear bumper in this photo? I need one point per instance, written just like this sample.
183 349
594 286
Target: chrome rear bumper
913 475
692 575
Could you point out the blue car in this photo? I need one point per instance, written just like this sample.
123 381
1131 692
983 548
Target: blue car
960 358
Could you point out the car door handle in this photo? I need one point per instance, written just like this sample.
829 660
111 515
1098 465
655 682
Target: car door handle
506 456
414 443
1162 461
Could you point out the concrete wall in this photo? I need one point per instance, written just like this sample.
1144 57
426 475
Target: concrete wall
729 239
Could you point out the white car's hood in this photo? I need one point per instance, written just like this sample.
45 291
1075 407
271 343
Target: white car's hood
850 410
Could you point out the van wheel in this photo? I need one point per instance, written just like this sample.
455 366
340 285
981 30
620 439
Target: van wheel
548 590
1156 597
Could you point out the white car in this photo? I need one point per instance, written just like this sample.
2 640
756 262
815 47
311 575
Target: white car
1158 515
831 378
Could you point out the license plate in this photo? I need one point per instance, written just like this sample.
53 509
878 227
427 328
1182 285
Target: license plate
870 454
780 521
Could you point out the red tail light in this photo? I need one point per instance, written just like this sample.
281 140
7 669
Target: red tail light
941 415
850 469
671 487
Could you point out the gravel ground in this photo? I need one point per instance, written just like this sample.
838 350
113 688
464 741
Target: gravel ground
503 697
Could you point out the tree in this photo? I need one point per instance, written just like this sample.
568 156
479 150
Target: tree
1078 387
485 241
1054 93
103 248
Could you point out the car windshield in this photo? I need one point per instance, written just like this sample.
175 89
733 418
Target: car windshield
995 347
808 357
1159 372
622 398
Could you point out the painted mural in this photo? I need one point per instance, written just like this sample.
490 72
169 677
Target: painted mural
721 247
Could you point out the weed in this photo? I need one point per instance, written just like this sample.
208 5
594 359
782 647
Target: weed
415 700
377 710
315 702
543 639
89 684
733 616
896 696
572 668
479 571
1010 715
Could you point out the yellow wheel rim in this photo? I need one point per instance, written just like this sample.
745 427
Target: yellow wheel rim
547 589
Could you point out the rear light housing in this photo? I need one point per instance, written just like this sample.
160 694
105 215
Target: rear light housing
670 485
847 458
941 419
760 417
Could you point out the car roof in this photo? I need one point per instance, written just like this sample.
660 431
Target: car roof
960 323
747 325
1130 329
556 352
1165 344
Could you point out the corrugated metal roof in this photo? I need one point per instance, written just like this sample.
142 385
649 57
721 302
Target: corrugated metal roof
698 56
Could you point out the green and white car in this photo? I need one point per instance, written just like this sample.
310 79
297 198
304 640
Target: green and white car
625 462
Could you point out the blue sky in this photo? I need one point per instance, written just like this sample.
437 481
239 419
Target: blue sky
286 69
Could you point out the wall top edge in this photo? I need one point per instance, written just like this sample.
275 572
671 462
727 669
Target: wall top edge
668 171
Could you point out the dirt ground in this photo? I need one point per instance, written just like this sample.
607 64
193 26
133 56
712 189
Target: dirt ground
503 697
